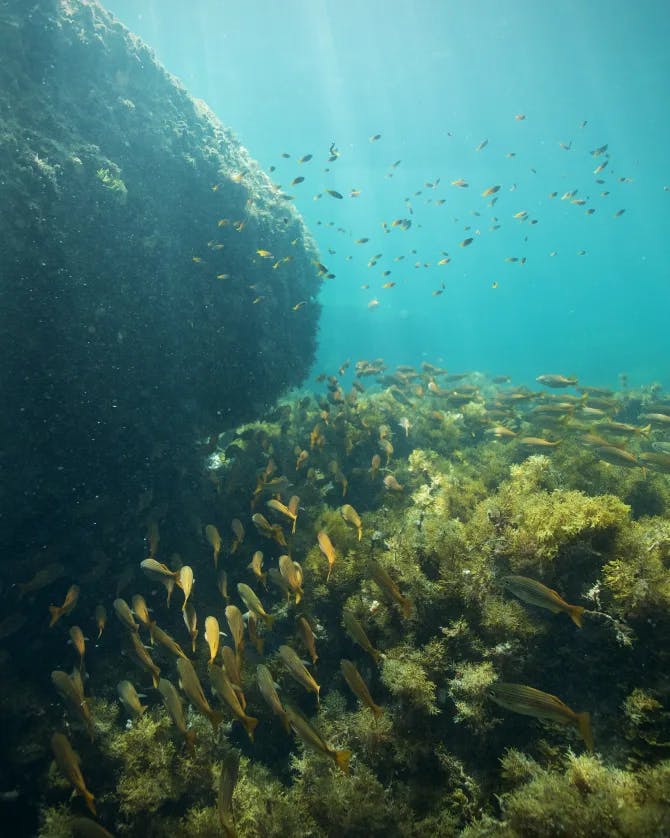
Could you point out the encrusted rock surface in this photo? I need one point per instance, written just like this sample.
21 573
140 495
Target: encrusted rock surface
123 200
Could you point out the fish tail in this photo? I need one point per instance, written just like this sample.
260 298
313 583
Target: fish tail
155 677
584 725
189 740
342 760
55 612
269 620
286 722
576 612
215 718
88 800
646 430
250 724
377 711
407 607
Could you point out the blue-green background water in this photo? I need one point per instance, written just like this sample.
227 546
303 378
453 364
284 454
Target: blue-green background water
435 79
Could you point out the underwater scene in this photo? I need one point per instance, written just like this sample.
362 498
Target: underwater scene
335 429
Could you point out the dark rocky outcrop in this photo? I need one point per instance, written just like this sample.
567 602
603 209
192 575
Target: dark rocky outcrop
118 344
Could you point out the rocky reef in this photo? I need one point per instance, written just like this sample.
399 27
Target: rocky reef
137 309
432 499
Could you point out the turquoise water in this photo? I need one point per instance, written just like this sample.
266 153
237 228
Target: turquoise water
435 79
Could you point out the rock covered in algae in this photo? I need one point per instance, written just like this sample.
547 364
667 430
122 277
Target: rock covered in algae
584 799
137 308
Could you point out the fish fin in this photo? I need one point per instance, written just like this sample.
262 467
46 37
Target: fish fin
189 740
88 799
342 760
584 724
250 724
286 722
576 612
55 612
216 718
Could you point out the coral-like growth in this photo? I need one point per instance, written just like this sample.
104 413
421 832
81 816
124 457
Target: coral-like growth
585 799
468 691
404 677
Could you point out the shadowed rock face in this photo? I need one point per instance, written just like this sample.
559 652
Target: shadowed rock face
118 344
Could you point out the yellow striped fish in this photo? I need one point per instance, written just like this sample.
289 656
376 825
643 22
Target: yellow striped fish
535 593
531 702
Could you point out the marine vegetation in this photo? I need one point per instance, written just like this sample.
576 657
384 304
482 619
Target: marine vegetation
302 646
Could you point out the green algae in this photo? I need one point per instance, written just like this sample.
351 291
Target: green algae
585 798
442 757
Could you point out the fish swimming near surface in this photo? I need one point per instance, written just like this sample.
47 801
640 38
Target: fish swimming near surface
535 593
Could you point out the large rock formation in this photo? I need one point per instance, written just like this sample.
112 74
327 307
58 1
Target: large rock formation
136 311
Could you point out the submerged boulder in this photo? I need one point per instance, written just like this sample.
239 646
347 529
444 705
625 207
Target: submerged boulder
151 273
